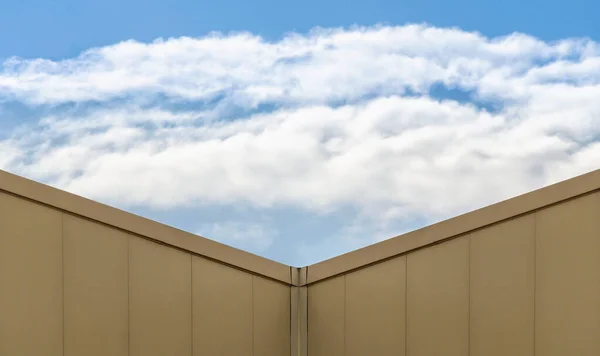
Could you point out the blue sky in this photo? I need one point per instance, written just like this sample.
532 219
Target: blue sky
63 28
302 130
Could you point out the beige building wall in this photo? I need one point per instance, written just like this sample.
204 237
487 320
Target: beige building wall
529 285
72 286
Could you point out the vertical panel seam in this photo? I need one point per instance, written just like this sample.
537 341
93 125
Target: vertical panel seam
291 317
253 322
305 275
344 347
306 317
307 344
62 239
292 343
469 293
191 305
304 343
128 295
535 221
406 305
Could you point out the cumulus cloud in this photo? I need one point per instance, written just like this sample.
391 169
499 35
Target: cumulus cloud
330 119
325 65
8 153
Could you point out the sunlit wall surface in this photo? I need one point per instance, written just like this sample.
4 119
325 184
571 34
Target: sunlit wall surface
526 286
71 286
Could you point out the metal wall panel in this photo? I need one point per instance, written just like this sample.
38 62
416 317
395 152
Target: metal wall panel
31 303
376 309
438 300
326 317
95 289
271 318
160 310
568 278
524 286
222 309
502 289
299 321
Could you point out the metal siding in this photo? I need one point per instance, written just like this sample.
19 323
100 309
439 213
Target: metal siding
502 289
375 310
31 299
326 318
222 307
271 318
438 300
95 289
568 278
159 300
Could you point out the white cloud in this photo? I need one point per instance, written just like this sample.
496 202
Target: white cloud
405 154
325 65
8 154
344 126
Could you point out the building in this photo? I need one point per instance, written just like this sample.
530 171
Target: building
521 277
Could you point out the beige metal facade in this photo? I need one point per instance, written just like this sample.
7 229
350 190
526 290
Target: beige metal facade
521 277
78 285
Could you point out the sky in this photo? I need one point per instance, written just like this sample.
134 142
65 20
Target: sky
299 131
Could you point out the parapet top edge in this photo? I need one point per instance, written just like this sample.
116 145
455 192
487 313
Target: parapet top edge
300 276
454 227
198 245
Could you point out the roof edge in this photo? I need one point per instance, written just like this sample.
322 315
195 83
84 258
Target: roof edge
146 228
454 227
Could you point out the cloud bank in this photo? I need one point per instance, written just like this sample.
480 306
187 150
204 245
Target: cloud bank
395 122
